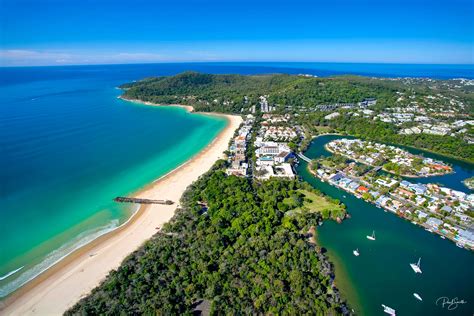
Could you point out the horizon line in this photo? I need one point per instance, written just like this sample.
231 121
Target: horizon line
239 61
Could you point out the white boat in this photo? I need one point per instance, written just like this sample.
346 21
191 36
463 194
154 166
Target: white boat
416 266
460 245
356 252
344 196
442 237
388 310
418 297
372 237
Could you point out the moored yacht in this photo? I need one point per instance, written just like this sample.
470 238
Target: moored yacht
388 310
418 297
372 237
416 266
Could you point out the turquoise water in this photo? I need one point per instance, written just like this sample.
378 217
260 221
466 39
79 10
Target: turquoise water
69 147
381 274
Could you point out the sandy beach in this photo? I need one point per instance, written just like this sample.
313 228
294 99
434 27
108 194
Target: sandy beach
62 285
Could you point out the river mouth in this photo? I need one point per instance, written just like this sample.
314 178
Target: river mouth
381 274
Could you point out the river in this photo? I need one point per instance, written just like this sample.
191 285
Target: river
381 274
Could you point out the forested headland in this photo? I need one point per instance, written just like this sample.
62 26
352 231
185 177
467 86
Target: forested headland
234 244
302 95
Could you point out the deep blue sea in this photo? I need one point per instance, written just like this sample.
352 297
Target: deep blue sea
68 146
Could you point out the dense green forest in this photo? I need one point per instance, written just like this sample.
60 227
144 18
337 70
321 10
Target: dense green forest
231 93
232 244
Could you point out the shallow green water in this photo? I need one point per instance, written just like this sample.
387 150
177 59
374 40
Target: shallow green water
69 147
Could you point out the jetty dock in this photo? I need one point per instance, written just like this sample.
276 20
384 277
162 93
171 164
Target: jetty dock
123 199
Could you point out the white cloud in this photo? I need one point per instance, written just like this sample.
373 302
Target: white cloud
25 57
20 57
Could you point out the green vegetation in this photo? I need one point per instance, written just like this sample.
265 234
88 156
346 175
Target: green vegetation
231 93
469 183
337 162
313 201
232 245
300 94
388 133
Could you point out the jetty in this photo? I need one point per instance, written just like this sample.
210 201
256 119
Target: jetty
123 199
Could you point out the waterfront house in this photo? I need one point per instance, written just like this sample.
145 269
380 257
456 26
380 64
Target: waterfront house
405 184
465 237
336 177
353 186
434 222
382 200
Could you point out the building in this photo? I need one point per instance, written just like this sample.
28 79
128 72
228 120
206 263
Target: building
434 222
465 237
332 116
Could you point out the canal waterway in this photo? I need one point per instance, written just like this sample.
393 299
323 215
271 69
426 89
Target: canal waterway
381 274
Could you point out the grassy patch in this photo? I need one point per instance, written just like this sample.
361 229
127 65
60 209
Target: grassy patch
314 203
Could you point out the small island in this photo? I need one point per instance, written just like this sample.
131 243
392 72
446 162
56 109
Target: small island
469 182
389 158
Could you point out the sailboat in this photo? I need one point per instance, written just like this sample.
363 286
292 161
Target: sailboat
356 252
388 310
416 266
372 237
418 297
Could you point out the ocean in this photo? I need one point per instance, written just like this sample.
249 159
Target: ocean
69 146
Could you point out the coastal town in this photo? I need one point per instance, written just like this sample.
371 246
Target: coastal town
439 209
267 145
237 157
261 148
390 158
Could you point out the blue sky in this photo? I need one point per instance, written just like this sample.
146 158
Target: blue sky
60 32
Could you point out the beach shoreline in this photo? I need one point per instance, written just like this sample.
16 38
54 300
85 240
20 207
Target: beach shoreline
78 273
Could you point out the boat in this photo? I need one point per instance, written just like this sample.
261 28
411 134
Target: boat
460 245
356 252
344 196
418 297
416 266
442 237
388 310
372 237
